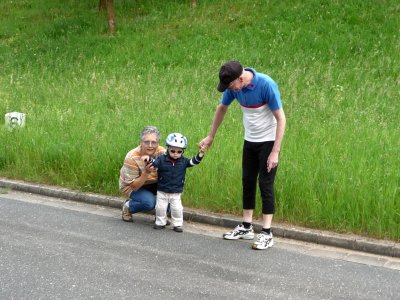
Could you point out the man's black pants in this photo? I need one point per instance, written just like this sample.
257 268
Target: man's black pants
254 165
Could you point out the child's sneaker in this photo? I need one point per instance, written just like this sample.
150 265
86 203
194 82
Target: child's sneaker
239 233
178 229
126 214
159 226
264 241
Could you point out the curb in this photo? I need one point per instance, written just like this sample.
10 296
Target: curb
358 243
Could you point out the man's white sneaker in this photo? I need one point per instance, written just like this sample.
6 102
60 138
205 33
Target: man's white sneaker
263 241
239 233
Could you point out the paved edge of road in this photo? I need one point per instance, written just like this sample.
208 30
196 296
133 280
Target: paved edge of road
352 242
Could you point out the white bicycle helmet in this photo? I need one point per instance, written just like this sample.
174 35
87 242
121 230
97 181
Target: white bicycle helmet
176 140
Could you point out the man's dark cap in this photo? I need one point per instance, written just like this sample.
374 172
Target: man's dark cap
228 73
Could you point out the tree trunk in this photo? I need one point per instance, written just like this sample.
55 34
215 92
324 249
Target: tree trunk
111 16
109 5
102 5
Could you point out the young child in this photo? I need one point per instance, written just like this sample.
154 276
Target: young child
171 169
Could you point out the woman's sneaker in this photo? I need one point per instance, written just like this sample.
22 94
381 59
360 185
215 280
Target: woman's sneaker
239 233
126 215
264 241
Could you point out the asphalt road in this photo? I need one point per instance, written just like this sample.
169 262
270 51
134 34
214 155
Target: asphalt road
56 249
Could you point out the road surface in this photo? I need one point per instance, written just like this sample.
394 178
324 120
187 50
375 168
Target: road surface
56 249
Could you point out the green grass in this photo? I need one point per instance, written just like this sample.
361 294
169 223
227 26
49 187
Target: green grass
87 95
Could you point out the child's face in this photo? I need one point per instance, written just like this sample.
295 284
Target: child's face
175 152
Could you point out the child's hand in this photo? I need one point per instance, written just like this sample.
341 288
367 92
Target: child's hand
203 148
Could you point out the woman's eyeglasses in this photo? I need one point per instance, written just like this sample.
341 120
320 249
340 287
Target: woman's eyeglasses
150 143
175 151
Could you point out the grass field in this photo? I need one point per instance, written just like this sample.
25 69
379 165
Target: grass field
87 95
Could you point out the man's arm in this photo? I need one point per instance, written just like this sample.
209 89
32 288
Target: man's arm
273 158
218 118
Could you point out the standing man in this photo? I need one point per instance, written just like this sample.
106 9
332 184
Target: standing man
264 126
137 181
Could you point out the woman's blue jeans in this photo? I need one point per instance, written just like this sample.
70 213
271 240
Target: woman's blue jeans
144 199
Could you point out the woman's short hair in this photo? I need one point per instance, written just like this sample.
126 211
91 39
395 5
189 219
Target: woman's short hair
150 130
